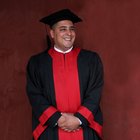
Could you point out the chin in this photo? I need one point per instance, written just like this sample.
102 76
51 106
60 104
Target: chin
68 45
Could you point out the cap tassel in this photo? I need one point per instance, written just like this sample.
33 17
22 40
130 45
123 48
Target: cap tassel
48 41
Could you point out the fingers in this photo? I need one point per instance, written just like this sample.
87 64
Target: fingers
68 122
69 130
61 121
62 125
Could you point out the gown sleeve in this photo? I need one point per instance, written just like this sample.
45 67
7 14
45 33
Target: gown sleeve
90 106
42 109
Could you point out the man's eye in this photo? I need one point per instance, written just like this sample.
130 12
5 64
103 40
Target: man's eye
63 29
72 29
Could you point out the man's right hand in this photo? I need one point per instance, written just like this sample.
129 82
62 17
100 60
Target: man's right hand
61 120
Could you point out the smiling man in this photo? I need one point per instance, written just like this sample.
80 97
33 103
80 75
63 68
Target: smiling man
64 85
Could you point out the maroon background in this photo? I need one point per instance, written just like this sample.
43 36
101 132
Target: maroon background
110 27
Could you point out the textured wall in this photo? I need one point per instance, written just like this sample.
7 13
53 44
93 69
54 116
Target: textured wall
110 27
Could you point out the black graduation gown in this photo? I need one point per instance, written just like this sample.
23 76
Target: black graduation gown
41 92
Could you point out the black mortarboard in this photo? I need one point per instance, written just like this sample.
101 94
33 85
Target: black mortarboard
64 14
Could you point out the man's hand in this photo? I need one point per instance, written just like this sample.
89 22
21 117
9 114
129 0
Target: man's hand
61 120
68 122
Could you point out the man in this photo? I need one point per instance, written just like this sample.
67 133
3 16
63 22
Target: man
64 85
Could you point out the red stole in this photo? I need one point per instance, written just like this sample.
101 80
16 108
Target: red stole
67 89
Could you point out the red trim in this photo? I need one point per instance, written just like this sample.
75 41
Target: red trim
38 131
89 116
43 118
47 114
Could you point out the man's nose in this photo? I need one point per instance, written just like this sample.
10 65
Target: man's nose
69 32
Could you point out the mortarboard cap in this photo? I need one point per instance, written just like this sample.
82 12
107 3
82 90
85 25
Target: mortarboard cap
64 14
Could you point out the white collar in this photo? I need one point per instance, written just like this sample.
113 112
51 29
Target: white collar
58 50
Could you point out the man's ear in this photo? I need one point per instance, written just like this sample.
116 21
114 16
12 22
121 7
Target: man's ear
52 33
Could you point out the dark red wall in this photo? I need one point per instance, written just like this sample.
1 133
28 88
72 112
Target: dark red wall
110 27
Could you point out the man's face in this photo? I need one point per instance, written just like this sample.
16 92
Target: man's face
63 33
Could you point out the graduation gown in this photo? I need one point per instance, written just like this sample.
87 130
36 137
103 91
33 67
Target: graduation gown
70 83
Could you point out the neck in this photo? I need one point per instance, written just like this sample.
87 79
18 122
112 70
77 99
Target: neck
63 50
